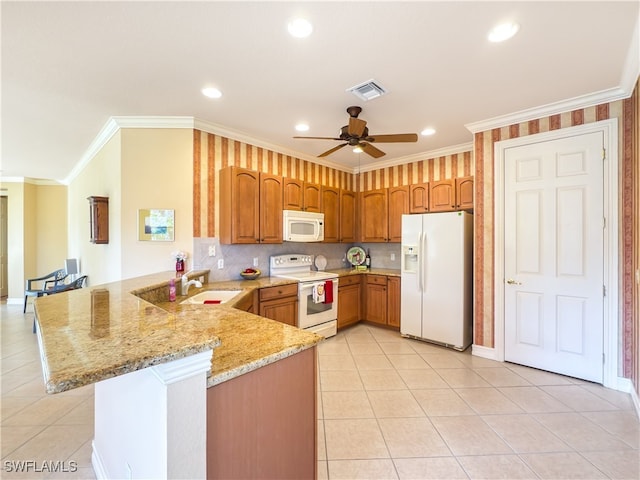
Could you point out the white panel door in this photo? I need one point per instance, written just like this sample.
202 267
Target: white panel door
554 255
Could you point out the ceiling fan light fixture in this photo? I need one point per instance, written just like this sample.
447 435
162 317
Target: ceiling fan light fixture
302 127
428 131
368 90
300 28
358 149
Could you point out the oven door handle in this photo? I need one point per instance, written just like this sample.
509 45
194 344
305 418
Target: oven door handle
305 286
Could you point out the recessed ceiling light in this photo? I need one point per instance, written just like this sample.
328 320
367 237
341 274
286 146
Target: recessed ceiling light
211 92
503 32
302 127
300 28
428 131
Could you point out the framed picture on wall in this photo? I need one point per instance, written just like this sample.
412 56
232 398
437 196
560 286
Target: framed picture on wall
156 225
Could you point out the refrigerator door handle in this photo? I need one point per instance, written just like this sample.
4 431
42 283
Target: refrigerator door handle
420 260
423 262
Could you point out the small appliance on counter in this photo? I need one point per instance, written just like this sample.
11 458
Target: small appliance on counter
317 291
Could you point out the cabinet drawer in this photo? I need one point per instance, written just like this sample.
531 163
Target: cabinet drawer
348 280
377 279
278 292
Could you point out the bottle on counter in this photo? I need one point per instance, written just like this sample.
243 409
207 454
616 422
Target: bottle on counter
172 290
367 260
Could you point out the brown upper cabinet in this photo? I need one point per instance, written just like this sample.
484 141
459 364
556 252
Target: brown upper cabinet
299 195
292 194
464 193
442 195
348 204
374 216
381 214
312 197
419 198
250 206
339 207
451 194
398 206
331 210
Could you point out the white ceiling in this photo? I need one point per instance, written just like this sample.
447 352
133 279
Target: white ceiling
67 67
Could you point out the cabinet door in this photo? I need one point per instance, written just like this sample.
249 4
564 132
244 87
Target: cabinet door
239 206
312 197
419 198
464 193
393 301
331 209
347 216
442 196
376 299
270 208
348 304
374 216
283 310
292 194
398 206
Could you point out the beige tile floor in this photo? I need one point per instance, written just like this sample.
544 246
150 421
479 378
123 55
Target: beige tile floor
393 408
388 408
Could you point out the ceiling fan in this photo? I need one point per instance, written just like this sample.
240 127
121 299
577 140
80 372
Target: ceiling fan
356 134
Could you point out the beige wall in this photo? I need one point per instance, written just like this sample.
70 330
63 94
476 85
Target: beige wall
101 177
157 172
34 250
137 168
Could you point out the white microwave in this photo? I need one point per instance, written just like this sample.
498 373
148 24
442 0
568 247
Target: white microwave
300 226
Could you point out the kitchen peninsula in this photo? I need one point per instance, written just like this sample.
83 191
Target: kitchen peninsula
182 388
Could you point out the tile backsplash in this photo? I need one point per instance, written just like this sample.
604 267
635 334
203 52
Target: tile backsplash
236 258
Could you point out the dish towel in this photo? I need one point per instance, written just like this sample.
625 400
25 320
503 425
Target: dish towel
328 291
318 293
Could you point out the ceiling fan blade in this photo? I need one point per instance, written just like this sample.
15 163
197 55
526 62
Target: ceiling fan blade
356 126
371 150
397 137
320 138
329 152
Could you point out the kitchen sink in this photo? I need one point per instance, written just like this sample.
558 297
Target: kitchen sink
214 297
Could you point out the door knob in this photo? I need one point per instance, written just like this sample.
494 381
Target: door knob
511 281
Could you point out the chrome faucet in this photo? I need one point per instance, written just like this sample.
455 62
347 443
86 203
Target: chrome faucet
186 283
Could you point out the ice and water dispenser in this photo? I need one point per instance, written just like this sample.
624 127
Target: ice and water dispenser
410 258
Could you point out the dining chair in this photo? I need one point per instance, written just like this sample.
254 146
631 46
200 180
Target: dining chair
49 282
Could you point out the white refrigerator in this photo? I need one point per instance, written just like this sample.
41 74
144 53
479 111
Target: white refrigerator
437 278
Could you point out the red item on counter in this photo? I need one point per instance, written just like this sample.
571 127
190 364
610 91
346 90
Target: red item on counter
328 291
212 302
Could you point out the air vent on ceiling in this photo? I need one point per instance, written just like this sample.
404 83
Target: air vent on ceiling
368 90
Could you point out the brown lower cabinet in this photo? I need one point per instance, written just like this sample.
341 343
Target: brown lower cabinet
349 300
263 424
280 303
371 297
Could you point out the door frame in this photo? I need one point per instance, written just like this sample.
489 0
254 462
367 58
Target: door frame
610 347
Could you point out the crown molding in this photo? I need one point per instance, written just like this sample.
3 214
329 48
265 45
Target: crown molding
245 138
416 157
32 181
604 96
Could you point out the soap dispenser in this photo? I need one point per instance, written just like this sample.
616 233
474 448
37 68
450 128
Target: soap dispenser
172 290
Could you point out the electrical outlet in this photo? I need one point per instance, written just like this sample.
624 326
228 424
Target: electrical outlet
255 261
212 250
220 264
393 257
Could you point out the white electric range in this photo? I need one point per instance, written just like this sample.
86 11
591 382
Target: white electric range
317 292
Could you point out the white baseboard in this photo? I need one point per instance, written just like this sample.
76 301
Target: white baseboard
484 352
15 301
625 385
96 463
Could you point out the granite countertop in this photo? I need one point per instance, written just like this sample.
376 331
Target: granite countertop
96 333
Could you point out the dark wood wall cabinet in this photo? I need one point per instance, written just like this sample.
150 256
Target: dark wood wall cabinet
99 219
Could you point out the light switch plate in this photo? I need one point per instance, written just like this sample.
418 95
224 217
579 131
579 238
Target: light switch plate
220 264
